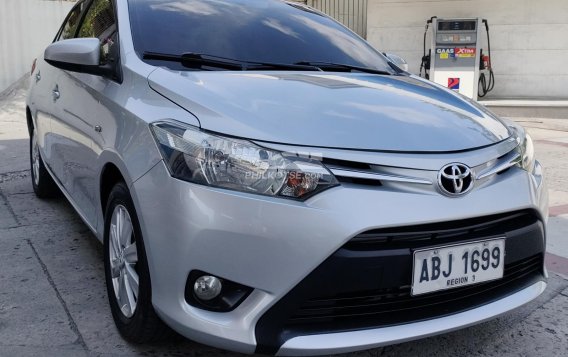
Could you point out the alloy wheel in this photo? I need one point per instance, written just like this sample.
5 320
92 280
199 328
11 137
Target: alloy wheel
123 258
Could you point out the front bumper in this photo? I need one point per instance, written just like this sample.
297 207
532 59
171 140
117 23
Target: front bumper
372 338
273 244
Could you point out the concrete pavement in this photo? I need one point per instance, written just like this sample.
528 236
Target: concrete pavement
53 298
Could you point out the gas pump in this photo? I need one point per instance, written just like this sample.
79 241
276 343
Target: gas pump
455 58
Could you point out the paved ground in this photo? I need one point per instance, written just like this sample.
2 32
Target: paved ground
53 299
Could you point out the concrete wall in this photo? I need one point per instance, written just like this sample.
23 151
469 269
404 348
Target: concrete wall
529 39
351 13
26 28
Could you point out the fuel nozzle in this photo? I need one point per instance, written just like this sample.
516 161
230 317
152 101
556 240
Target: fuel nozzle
486 84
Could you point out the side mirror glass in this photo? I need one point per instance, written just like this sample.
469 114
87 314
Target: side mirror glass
399 61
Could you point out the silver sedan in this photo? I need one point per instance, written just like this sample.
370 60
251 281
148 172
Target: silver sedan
263 180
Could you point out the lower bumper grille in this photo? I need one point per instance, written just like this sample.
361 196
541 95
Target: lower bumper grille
396 305
367 282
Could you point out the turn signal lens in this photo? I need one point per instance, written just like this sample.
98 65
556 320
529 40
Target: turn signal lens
299 183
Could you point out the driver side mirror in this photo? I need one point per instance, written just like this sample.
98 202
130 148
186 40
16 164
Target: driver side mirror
399 61
81 55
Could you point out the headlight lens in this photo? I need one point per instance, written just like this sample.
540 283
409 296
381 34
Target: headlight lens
212 160
526 149
525 146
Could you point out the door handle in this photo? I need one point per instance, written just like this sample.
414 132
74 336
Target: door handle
38 76
56 94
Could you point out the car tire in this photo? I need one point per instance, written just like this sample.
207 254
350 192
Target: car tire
125 262
42 182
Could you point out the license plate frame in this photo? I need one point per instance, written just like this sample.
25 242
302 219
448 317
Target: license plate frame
460 276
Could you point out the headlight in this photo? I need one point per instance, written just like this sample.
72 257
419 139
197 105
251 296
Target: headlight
526 150
196 156
526 158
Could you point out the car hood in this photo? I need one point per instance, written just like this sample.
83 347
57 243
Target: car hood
334 110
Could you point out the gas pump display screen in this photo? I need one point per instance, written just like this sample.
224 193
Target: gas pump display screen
456 25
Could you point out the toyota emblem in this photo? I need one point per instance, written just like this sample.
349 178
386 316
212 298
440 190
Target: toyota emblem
455 179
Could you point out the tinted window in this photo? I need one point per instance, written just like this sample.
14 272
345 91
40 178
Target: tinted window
100 22
250 30
71 22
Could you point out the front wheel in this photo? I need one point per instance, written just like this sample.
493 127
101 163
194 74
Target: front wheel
127 274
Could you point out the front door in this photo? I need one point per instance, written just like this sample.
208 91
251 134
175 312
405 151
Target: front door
82 109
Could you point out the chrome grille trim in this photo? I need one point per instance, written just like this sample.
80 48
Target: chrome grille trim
370 175
508 161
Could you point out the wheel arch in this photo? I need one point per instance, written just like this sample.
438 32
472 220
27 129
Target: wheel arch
112 168
110 176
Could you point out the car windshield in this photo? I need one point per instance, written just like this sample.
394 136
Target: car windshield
268 31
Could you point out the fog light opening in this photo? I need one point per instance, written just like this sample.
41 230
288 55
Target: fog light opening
214 293
207 287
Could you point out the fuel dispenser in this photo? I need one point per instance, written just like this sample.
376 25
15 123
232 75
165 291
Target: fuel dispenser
455 58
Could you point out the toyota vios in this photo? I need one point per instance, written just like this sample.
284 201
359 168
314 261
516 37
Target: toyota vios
263 180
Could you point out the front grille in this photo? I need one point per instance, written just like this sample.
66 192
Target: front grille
395 305
441 233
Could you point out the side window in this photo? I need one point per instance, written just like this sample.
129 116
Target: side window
69 28
100 22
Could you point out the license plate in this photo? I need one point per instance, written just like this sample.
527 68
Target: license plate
457 265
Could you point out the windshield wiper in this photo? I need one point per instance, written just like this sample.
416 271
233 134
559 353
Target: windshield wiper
201 61
340 66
